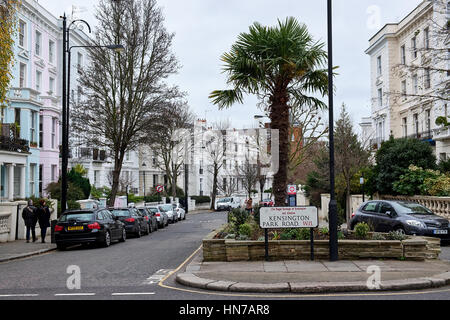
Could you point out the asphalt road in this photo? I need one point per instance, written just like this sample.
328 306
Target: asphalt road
133 270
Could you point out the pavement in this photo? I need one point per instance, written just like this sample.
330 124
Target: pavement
314 276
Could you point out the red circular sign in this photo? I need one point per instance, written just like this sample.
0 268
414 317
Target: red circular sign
160 188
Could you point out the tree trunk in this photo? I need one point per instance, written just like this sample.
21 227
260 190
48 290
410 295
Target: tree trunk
215 187
280 121
116 179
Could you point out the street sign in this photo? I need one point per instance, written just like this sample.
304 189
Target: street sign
292 190
159 189
289 217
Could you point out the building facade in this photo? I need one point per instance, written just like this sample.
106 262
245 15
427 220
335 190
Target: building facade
410 78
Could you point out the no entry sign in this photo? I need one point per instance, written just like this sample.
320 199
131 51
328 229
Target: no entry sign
160 189
289 217
292 190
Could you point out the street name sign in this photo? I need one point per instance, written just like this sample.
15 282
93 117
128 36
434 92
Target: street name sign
289 217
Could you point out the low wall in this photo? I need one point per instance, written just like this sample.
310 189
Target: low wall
418 249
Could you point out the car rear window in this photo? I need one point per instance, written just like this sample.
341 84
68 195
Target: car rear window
154 210
79 216
167 207
121 213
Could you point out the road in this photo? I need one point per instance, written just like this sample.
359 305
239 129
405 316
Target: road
133 271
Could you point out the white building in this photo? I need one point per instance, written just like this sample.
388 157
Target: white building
410 77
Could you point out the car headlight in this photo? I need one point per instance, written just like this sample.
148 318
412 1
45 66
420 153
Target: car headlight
415 223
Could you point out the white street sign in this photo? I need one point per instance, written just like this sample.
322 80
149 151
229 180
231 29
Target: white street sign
289 217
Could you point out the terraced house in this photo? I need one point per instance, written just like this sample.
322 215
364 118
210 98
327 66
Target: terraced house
410 78
30 122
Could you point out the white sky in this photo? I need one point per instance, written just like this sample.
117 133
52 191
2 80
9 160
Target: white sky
205 29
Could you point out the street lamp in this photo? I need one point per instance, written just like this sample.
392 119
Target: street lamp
66 99
361 182
332 218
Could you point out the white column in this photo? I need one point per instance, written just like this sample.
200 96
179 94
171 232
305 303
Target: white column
11 182
22 182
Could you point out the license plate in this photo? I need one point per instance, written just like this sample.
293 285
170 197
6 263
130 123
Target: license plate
440 231
81 228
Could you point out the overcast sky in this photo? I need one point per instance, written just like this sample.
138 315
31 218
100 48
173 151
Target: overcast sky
205 29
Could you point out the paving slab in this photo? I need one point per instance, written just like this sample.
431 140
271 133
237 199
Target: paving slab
341 266
21 249
278 266
304 266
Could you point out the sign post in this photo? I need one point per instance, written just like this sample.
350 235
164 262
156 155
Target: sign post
289 218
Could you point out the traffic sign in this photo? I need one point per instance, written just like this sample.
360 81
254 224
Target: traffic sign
159 189
292 190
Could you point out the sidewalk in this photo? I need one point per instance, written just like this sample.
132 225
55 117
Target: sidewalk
313 277
20 249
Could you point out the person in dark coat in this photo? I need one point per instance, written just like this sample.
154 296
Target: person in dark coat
30 218
43 215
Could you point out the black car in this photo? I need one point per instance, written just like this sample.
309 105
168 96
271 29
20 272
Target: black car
135 223
150 217
405 217
88 226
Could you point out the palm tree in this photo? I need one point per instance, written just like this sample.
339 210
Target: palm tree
284 67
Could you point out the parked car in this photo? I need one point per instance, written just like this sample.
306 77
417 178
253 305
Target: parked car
88 226
180 211
150 217
266 203
227 204
161 217
168 209
405 217
133 220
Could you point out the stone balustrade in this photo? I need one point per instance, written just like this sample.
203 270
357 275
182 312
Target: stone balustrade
439 205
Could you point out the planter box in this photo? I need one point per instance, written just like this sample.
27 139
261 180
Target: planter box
416 249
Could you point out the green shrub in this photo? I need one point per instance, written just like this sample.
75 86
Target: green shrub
245 230
238 217
201 199
362 230
154 198
303 234
378 236
395 235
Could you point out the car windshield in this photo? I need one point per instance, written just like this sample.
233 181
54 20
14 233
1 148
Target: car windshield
79 216
225 200
414 208
121 213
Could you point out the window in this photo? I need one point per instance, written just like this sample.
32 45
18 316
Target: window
427 78
32 178
54 127
38 43
41 131
155 181
426 35
96 178
404 89
54 173
225 183
41 171
38 80
79 94
403 54
380 97
405 127
79 61
51 51
416 124
22 34
201 186
379 66
415 84
33 126
22 76
414 47
371 207
443 156
51 85
17 116
428 120
2 114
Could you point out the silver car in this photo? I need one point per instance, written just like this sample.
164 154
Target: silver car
168 209
161 217
180 211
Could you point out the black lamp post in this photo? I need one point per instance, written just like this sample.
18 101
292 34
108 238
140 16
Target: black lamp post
66 100
332 218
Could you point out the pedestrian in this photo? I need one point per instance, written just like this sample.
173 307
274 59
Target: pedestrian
43 215
249 206
30 219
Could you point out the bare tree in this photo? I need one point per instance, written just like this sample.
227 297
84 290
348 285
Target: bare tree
125 90
248 172
229 186
167 142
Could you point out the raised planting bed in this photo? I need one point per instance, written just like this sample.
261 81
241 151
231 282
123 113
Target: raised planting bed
413 248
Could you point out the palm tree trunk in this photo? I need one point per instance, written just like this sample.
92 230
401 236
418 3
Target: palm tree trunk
280 121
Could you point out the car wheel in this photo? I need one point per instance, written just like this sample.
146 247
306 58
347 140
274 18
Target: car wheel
147 230
124 236
107 241
139 233
400 230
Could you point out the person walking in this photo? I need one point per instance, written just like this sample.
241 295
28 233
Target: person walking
43 216
249 206
30 219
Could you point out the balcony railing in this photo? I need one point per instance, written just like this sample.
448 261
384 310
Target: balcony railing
13 144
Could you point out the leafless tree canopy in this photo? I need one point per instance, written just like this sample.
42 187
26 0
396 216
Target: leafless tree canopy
124 91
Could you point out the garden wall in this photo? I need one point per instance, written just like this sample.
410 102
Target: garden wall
418 248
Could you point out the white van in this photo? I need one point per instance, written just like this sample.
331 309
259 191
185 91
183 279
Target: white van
228 204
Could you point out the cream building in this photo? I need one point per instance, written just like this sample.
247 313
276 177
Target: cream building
410 78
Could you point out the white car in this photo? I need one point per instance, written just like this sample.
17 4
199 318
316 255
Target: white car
228 204
180 211
168 209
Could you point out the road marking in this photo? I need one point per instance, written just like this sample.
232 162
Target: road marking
18 295
73 294
134 294
157 277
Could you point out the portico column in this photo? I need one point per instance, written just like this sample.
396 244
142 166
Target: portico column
22 182
11 182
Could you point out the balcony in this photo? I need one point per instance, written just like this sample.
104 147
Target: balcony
442 134
426 136
10 140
